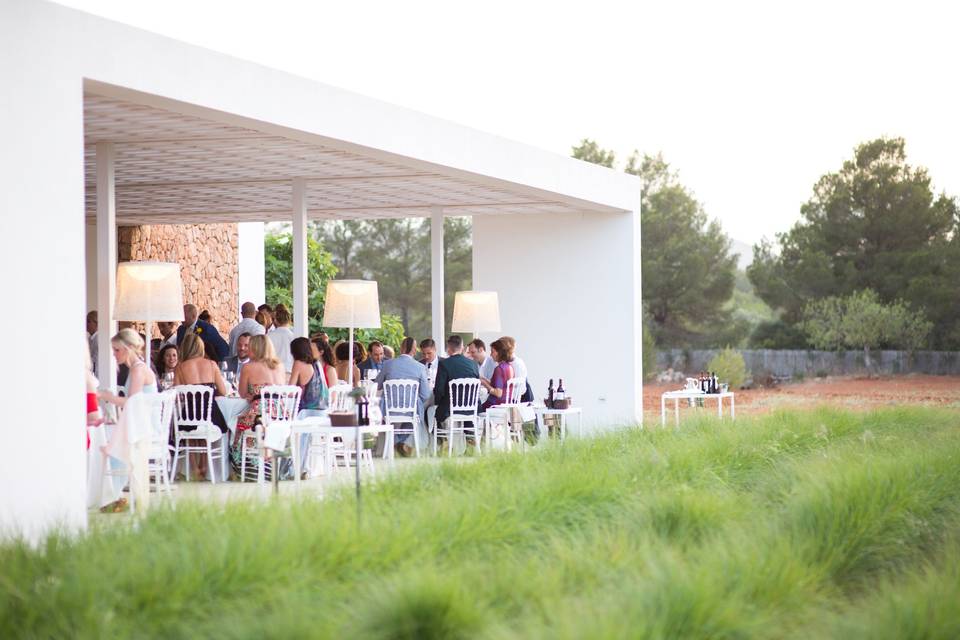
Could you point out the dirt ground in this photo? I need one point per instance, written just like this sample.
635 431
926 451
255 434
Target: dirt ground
852 393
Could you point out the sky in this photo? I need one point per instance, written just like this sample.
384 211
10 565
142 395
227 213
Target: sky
751 102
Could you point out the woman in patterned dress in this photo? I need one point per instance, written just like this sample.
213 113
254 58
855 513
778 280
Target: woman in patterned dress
263 369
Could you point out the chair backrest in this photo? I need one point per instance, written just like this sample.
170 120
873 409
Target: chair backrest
370 389
340 399
279 403
400 397
163 415
193 406
464 396
515 389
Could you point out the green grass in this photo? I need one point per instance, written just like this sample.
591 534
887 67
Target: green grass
795 525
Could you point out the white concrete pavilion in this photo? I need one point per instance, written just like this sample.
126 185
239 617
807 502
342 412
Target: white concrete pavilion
106 122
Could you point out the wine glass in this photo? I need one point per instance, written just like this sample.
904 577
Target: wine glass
167 380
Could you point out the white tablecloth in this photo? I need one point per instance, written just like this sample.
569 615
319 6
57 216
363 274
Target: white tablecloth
231 408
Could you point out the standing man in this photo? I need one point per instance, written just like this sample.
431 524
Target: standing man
216 347
247 324
92 338
374 361
477 351
455 366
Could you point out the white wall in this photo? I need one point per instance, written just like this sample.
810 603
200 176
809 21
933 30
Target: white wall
569 293
43 474
48 52
250 263
91 265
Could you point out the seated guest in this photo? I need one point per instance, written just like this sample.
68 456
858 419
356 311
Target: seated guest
477 351
405 367
235 364
328 362
428 349
342 353
195 368
263 369
306 374
502 373
214 345
205 316
374 361
247 325
455 366
166 362
282 336
388 352
519 368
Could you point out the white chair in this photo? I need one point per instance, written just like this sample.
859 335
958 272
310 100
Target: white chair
513 393
464 402
193 409
160 449
340 399
279 405
400 401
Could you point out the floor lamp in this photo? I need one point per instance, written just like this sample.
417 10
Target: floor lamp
148 291
354 304
476 311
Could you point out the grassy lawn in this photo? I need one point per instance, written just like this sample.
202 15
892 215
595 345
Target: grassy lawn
793 525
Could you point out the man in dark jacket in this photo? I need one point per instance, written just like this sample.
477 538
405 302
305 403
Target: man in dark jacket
456 365
214 344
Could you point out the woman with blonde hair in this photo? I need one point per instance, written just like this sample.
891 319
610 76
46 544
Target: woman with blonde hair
127 347
194 368
263 369
282 336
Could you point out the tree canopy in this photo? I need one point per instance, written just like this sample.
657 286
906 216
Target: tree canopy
396 253
688 272
874 224
861 321
278 276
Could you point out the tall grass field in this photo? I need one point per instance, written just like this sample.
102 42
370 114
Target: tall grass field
819 524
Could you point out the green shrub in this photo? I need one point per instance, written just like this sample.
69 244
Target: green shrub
729 367
649 354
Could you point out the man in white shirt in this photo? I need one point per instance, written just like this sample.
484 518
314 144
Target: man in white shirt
477 351
247 324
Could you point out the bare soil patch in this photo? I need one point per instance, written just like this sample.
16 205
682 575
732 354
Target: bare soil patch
848 393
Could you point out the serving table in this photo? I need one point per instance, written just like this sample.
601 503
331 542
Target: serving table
692 394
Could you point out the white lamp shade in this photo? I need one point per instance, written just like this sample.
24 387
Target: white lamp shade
475 311
151 290
352 303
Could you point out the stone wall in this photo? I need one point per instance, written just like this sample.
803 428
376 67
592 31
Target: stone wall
207 255
792 364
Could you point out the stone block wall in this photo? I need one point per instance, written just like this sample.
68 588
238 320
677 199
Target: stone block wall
207 255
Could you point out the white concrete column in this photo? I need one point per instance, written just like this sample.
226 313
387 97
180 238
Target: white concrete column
436 274
474 257
250 266
106 263
300 324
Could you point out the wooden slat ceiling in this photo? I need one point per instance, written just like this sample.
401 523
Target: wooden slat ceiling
177 169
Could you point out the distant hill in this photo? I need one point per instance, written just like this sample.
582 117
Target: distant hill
746 253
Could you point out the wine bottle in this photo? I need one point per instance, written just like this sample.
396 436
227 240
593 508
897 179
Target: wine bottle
561 394
550 393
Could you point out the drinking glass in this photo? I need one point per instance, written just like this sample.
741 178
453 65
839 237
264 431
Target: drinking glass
167 380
